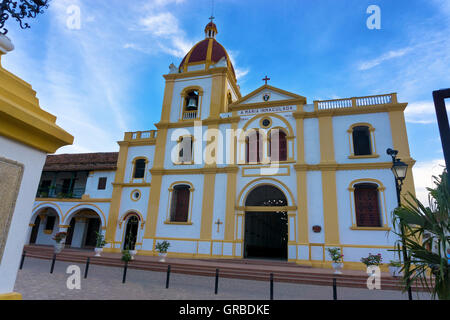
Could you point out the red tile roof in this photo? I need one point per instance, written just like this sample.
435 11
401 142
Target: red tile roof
82 162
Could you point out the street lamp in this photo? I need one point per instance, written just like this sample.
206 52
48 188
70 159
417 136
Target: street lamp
400 169
23 9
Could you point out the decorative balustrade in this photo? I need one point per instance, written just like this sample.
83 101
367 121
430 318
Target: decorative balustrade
356 102
140 135
190 115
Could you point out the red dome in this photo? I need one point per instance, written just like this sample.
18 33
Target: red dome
199 53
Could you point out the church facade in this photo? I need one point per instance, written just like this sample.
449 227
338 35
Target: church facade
265 175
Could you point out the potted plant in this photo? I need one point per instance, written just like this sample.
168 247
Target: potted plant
336 256
131 242
126 256
100 243
60 239
372 260
162 247
395 268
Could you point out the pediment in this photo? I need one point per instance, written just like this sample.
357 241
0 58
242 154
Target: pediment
268 94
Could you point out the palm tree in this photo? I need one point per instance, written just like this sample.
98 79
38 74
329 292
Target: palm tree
425 232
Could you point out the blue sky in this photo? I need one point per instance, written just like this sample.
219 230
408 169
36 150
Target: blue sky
106 78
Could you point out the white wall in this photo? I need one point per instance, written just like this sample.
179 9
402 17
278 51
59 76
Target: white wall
383 140
92 184
33 160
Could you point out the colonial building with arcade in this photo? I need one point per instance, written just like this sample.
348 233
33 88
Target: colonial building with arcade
267 175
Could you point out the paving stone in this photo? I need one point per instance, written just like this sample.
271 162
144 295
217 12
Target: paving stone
35 282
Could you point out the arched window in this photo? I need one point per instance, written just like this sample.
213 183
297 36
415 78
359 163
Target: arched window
278 145
254 146
131 232
361 141
139 168
179 210
185 150
367 205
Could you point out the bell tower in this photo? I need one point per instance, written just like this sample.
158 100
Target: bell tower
203 85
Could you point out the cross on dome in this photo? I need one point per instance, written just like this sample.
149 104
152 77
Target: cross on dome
211 29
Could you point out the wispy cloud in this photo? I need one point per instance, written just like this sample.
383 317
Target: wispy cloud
240 72
366 65
421 112
423 177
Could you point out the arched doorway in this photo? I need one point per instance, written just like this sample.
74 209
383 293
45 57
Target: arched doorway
83 229
45 225
266 227
131 231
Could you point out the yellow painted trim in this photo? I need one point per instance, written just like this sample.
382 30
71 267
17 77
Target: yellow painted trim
229 233
400 143
132 194
294 96
72 210
193 171
385 228
348 166
330 210
371 156
10 296
126 185
22 119
124 229
160 152
288 173
326 140
133 172
381 199
218 95
208 206
241 200
117 189
189 223
84 199
372 141
124 215
302 214
58 211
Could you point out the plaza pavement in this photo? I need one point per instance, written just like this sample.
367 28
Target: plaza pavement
35 282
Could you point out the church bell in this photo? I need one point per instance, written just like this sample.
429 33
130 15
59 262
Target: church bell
192 104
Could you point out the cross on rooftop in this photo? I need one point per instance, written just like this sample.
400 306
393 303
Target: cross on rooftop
211 18
266 79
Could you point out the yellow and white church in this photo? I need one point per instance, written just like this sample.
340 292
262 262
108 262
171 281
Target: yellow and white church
266 175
